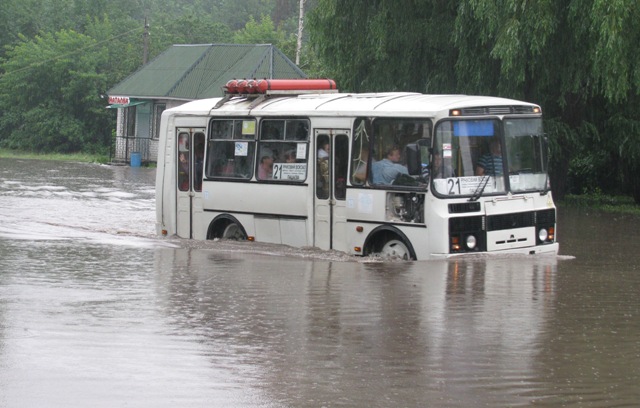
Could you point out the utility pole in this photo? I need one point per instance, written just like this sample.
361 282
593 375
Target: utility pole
300 25
145 42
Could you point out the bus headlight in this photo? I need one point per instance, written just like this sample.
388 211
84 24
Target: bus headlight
543 235
467 234
471 241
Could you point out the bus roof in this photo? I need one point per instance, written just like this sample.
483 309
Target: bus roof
344 104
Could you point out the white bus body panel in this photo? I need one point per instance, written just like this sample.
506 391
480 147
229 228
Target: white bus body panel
285 213
276 213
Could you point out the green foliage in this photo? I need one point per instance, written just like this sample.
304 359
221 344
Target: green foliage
588 164
501 42
381 45
59 56
187 29
121 43
263 31
616 61
577 58
51 85
616 204
627 131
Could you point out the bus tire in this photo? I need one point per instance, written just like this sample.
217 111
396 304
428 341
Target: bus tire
389 242
233 231
226 227
395 248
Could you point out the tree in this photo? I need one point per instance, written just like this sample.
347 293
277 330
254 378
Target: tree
380 45
576 58
265 32
49 94
186 29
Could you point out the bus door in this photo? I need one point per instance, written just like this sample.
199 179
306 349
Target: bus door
330 218
189 157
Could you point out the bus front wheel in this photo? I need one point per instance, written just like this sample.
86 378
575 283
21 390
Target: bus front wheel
395 248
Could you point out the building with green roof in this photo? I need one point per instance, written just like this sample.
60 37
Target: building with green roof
181 74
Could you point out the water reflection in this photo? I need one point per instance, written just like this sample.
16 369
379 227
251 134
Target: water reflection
318 332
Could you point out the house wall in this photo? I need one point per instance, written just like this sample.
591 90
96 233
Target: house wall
142 140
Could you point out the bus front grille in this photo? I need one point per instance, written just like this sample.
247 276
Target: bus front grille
510 221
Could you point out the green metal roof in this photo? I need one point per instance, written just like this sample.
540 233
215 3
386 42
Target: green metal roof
199 71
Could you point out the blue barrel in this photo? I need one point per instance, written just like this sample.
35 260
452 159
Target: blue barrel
136 159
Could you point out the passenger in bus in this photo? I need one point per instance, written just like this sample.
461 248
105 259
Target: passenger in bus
290 156
491 163
183 172
183 142
386 170
322 178
440 169
324 149
322 181
265 167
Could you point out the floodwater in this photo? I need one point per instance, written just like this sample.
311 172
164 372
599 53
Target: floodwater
96 311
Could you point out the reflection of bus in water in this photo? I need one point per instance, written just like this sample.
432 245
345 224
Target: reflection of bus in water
405 174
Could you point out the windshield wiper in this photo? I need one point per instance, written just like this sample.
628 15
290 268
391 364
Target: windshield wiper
545 190
545 142
481 186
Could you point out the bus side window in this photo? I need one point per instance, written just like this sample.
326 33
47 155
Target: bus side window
231 148
272 130
283 150
390 137
322 166
360 151
198 157
341 163
297 130
184 162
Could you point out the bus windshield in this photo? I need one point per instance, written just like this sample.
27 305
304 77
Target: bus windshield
526 154
471 157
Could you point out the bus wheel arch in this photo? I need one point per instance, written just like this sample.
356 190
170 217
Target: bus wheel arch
226 226
389 241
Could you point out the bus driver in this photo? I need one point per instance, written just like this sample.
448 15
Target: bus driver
491 163
386 170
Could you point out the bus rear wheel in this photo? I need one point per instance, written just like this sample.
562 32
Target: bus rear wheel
234 232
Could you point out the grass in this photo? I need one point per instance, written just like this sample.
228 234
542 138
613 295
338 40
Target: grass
75 157
602 202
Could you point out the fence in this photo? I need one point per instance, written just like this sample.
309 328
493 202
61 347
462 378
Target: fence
123 146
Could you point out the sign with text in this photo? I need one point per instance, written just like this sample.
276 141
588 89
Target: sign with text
119 100
289 171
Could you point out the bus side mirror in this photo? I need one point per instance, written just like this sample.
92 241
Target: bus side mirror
414 161
413 154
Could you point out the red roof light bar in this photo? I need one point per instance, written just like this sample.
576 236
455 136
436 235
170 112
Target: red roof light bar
265 86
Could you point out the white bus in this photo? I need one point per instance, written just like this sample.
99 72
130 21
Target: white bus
415 176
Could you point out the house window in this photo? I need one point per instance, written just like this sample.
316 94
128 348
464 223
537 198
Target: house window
129 122
157 114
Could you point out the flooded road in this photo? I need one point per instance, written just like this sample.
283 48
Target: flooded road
95 310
